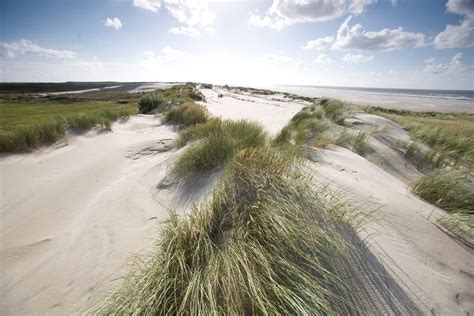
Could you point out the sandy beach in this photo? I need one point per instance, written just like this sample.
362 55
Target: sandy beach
390 101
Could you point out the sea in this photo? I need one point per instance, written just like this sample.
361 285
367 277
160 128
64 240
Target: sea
461 95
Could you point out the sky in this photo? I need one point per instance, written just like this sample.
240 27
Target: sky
419 44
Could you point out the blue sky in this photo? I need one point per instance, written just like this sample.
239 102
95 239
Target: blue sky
365 43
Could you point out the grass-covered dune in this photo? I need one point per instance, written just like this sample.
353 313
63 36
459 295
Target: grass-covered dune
267 242
29 121
449 165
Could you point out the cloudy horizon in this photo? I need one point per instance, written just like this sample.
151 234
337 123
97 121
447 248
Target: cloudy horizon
365 43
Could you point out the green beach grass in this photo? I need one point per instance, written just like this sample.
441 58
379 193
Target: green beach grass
161 100
268 242
24 127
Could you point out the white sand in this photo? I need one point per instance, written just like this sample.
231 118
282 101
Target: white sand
270 111
434 270
400 102
432 267
72 216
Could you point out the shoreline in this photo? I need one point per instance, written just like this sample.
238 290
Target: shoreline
391 101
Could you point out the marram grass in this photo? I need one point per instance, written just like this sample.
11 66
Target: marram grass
267 243
219 141
263 245
28 138
186 114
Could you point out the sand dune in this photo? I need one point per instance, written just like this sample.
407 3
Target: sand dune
431 267
271 111
72 216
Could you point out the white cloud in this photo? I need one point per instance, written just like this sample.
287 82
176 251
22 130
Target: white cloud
115 23
152 5
283 13
455 66
322 59
461 7
320 43
357 38
455 36
185 30
356 58
462 35
193 15
12 49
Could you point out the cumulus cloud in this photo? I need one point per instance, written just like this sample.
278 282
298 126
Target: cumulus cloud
356 38
461 7
152 5
320 43
356 58
194 16
115 23
455 36
322 59
12 49
462 35
455 66
283 13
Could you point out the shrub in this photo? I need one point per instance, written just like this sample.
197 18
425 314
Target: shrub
187 114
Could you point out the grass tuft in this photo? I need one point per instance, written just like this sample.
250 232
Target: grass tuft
30 137
263 245
187 114
220 140
452 190
152 103
335 110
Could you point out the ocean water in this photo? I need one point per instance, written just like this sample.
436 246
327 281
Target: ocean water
461 95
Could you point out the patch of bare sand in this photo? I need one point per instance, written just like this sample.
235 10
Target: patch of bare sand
399 102
430 265
270 111
432 268
72 216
